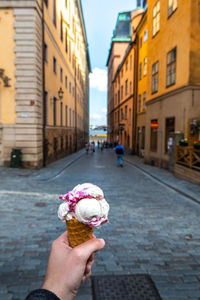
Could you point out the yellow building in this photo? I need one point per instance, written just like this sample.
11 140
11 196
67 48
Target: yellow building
173 81
44 105
142 48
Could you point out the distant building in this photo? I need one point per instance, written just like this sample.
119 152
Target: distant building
44 84
120 65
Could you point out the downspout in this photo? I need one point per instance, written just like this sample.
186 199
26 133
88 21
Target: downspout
75 109
43 89
135 80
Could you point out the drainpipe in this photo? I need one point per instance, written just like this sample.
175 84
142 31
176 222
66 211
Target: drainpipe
135 80
43 88
75 110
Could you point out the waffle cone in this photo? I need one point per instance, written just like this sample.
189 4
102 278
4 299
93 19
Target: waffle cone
78 233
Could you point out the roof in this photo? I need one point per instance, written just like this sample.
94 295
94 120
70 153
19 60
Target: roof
122 31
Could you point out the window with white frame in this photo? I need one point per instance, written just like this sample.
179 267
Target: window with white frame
172 6
171 67
156 17
145 35
155 68
145 66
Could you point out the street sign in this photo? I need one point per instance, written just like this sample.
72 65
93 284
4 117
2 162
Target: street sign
154 124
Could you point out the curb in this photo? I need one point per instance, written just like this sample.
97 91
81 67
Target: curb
163 182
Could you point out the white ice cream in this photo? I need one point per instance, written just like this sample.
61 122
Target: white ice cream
92 209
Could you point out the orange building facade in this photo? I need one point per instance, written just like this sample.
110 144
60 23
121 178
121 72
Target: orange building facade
121 84
173 81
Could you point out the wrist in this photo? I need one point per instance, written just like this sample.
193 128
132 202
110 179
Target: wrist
62 293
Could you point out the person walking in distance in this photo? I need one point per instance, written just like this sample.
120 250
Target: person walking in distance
87 148
119 150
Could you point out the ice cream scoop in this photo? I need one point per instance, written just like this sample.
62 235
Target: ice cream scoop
84 207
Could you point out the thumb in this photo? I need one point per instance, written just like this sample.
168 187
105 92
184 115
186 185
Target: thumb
90 247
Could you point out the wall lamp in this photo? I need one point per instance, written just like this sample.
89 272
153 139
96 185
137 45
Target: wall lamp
5 78
60 93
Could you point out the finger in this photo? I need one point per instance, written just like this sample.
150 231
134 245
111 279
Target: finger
90 246
91 258
63 237
87 276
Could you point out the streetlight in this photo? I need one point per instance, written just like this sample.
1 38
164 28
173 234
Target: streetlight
60 93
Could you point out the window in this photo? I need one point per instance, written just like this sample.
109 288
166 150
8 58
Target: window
154 137
46 108
66 82
140 71
122 92
46 3
70 49
118 96
155 77
122 73
115 99
54 12
131 62
61 75
66 115
45 52
126 109
66 41
141 42
129 117
61 113
171 67
126 87
61 27
172 6
54 111
145 67
145 35
115 117
139 103
143 138
70 117
54 65
122 115
169 129
127 65
144 101
130 87
156 17
70 87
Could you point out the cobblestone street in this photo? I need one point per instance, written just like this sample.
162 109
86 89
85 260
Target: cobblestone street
153 228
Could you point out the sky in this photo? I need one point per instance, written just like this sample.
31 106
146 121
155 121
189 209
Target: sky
100 19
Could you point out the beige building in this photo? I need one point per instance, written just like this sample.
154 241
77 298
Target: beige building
44 86
173 82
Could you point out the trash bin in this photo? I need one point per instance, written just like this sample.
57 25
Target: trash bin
15 160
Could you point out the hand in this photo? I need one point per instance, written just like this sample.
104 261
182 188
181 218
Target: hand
67 266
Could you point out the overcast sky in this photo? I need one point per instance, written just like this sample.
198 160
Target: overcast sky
100 19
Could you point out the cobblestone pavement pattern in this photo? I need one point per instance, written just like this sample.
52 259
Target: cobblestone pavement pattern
153 229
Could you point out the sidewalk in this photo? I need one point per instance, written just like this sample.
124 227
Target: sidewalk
186 188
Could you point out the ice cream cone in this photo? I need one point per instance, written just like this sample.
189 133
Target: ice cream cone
78 232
